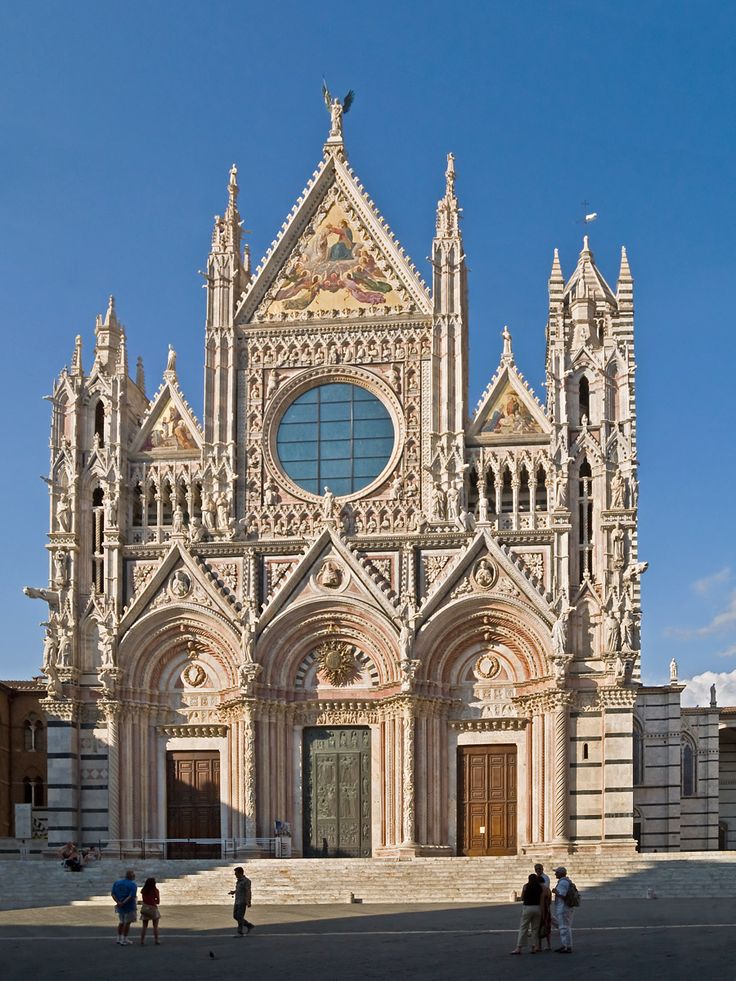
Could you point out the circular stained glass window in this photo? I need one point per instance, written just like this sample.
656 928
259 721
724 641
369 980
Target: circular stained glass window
338 436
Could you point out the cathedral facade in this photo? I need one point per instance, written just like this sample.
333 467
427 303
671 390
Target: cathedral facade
347 604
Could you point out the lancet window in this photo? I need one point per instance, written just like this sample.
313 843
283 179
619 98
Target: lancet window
638 755
100 422
688 768
98 530
585 520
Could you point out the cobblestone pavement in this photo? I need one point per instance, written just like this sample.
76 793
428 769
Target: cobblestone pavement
635 939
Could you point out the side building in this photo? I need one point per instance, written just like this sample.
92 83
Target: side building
344 602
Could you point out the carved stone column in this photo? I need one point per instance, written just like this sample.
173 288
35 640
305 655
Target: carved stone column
560 765
249 771
408 789
112 717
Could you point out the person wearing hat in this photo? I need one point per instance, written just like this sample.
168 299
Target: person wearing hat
563 913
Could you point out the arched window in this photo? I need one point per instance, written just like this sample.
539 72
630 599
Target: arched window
137 505
583 399
151 506
637 751
167 510
27 790
491 492
688 768
197 500
100 422
541 492
585 520
473 491
507 493
524 500
38 795
182 498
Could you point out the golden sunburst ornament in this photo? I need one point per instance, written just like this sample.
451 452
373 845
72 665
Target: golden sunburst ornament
336 662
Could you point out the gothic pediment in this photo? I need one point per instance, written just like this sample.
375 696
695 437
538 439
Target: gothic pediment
335 256
486 569
329 570
587 279
508 411
179 578
169 427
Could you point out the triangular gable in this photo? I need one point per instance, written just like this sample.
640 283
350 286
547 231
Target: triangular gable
509 569
178 557
328 544
169 426
593 284
334 254
508 411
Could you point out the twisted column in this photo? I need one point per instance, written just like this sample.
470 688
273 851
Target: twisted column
249 772
409 724
112 716
560 744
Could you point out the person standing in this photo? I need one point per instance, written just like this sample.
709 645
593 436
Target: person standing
242 893
545 924
539 869
124 892
149 909
563 913
531 913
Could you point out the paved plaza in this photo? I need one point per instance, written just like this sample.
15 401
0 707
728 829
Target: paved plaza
655 939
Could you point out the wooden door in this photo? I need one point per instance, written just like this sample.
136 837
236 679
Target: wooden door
337 792
487 800
193 804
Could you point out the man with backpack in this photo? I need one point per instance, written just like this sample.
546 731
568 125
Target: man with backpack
567 899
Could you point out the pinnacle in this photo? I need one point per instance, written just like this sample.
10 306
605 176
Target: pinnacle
111 318
625 270
556 273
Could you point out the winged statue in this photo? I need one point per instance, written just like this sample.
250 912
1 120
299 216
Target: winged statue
336 109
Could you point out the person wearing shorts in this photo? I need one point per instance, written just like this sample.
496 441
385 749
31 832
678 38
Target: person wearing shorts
124 892
150 900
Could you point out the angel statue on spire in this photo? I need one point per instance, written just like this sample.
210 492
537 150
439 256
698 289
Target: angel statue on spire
336 110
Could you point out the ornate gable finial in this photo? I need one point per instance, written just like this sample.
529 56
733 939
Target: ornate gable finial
170 372
508 355
448 212
111 319
337 110
232 187
555 275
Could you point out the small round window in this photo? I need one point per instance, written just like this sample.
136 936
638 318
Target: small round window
337 436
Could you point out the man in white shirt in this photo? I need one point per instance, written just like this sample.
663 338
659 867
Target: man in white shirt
562 913
539 869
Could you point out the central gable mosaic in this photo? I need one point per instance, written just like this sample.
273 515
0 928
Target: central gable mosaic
335 268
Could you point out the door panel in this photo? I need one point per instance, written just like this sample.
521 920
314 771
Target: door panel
193 803
337 792
487 800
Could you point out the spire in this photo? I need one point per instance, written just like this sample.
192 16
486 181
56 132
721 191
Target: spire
625 285
508 355
123 356
109 336
227 230
448 212
140 376
555 275
77 369
111 319
585 251
624 274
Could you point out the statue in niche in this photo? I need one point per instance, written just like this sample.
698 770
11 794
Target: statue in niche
222 508
270 494
60 568
673 671
64 512
618 490
633 491
628 640
274 379
107 642
111 511
209 512
439 502
612 631
409 668
397 488
453 501
559 633
482 508
178 520
561 494
618 546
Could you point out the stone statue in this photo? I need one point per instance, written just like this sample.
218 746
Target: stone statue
406 639
618 539
270 494
713 701
330 575
628 640
209 512
559 633
248 636
618 489
273 383
171 360
484 574
439 503
483 508
561 494
337 110
612 632
195 529
111 511
107 642
328 505
397 488
60 568
223 512
633 491
453 501
409 668
673 671
50 646
178 520
63 656
64 512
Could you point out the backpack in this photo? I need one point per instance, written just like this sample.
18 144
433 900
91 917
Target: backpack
572 896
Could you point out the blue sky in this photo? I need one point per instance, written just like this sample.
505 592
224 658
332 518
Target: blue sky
120 122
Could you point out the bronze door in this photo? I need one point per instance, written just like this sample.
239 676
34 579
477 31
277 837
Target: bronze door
487 800
193 804
337 792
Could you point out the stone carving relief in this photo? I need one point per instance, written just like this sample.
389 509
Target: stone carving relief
337 662
180 585
194 675
331 576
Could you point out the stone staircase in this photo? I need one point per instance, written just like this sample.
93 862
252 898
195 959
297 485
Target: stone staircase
38 883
